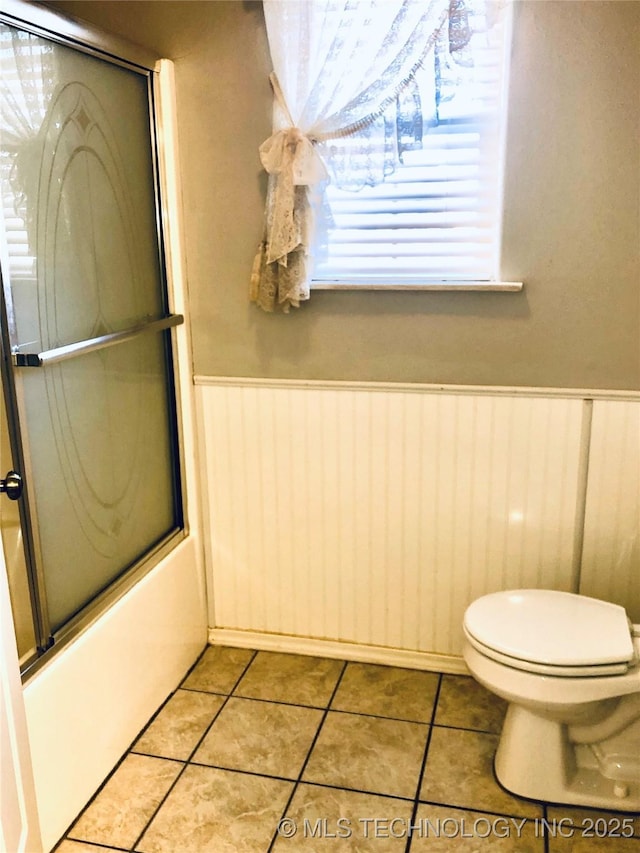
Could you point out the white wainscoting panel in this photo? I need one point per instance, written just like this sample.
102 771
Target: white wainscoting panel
611 556
375 516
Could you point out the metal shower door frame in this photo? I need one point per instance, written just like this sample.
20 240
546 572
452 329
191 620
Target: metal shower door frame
49 25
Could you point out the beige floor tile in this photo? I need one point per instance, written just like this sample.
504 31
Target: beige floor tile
260 737
296 679
459 772
586 822
368 754
579 843
81 847
387 691
218 669
127 802
466 704
217 811
176 730
332 819
440 828
372 740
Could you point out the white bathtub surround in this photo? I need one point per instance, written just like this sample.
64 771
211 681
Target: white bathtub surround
396 506
87 705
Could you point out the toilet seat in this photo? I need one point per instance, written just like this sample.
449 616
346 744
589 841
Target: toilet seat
548 669
551 632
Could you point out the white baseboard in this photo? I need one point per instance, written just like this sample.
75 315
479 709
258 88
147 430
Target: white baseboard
260 641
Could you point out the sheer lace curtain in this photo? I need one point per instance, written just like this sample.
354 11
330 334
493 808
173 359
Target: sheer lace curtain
338 66
27 71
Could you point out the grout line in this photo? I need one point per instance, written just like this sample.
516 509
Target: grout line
197 746
90 844
226 699
243 772
275 835
129 751
366 791
416 799
309 782
92 800
278 702
199 690
483 810
195 663
311 708
540 803
379 716
545 815
466 729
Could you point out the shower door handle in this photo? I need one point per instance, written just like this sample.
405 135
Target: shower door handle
12 485
53 356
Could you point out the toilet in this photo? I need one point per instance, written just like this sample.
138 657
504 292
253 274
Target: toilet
569 667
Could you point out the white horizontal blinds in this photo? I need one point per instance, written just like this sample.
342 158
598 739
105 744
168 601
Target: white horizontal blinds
25 65
21 261
436 218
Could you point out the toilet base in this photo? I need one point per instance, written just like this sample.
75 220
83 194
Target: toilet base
536 760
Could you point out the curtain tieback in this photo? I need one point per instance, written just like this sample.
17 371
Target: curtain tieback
290 156
292 153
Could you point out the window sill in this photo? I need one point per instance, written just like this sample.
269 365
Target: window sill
490 286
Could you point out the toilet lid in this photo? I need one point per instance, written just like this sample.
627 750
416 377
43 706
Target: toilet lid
551 627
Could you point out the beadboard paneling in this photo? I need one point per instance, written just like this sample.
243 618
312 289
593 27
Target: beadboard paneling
376 516
611 555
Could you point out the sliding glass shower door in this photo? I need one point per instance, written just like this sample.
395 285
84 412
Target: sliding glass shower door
88 365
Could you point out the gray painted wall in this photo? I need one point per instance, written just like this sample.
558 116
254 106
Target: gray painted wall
571 224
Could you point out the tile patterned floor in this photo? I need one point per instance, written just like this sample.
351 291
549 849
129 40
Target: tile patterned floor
260 752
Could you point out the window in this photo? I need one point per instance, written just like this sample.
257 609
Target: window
436 219
27 72
353 82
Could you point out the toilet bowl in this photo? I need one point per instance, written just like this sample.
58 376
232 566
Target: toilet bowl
569 667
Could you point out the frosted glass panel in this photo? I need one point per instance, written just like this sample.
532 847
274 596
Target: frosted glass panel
81 259
101 455
76 173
